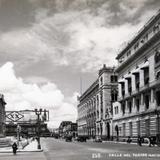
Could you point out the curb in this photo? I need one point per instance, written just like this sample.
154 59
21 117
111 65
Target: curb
10 151
143 144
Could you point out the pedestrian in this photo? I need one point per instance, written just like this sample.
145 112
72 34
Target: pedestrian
149 141
139 140
14 147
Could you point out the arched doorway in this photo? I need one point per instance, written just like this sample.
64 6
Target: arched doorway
117 132
108 130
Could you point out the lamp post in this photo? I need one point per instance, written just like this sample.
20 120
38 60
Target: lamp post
38 113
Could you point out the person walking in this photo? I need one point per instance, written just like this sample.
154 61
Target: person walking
14 147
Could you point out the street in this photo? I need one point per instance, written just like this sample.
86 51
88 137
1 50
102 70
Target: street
61 150
58 149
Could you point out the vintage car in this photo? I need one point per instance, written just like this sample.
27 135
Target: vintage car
68 138
81 139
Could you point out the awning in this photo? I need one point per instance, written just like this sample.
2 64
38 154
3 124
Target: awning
136 71
129 76
145 65
121 81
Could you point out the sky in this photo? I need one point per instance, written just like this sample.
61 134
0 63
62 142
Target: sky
47 46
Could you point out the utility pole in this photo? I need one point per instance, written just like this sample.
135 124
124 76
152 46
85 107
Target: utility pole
38 113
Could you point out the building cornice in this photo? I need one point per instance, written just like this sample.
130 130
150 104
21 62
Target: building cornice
147 45
140 33
89 90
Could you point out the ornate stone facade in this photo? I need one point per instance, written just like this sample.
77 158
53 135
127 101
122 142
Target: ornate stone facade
95 105
137 112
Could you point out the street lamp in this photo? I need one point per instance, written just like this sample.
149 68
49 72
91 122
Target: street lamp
38 113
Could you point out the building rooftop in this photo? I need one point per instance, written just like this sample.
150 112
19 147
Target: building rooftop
140 33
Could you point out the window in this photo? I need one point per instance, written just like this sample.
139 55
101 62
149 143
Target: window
130 129
113 78
101 80
114 95
146 76
123 108
138 128
101 98
137 80
97 101
137 104
116 110
124 129
158 98
130 106
123 89
157 56
129 85
147 127
146 100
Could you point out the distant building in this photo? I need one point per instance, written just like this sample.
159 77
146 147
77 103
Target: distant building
95 105
71 129
138 111
2 115
27 120
62 128
27 129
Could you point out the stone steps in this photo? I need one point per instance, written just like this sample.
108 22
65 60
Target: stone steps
5 142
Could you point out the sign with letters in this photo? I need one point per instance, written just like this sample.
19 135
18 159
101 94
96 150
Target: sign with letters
27 116
14 116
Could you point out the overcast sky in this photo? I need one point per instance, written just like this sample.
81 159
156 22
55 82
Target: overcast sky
47 45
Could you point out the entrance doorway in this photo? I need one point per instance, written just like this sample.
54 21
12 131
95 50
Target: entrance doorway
108 130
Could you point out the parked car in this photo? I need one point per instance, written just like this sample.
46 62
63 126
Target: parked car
98 139
81 139
68 138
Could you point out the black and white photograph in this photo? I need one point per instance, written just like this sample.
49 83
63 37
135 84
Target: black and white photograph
79 79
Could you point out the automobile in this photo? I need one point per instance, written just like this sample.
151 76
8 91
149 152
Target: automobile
98 139
81 139
68 138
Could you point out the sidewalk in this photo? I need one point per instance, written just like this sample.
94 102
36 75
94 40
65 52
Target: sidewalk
31 147
23 156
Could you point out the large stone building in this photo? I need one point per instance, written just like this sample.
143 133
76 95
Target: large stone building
137 112
2 116
95 105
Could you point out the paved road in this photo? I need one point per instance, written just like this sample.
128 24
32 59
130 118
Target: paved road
23 156
60 150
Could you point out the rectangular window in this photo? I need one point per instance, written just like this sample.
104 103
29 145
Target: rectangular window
123 108
146 76
146 100
158 125
130 106
114 78
123 89
137 101
147 127
124 129
130 129
158 98
137 80
138 128
129 85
